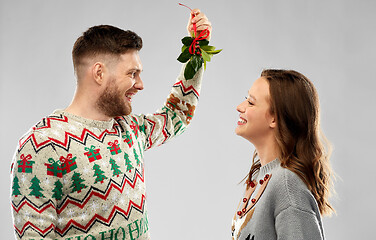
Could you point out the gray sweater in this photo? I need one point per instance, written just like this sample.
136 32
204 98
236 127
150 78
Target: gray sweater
285 210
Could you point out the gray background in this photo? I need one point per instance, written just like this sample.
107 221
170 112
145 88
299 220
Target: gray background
192 182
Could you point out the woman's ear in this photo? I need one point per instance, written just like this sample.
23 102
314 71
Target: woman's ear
273 123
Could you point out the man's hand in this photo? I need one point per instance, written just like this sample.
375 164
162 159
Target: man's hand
201 21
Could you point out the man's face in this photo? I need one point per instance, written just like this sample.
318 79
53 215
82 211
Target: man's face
122 83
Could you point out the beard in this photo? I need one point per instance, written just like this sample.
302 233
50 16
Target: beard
112 102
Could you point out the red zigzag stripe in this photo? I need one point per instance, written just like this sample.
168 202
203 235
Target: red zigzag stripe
186 89
67 135
88 225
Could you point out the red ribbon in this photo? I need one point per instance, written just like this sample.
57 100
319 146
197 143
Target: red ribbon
203 35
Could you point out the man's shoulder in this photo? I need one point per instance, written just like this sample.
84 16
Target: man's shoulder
50 126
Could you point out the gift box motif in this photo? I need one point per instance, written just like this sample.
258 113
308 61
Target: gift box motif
114 147
54 168
68 163
24 165
92 153
128 139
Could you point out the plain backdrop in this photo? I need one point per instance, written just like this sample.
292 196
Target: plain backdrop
192 181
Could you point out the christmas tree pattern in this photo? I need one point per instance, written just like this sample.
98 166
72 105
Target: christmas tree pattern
98 173
128 162
16 187
77 183
136 156
115 168
58 190
36 189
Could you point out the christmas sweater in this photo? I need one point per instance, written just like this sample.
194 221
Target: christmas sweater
80 179
277 205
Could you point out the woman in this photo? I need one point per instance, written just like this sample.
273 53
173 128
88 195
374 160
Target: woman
289 182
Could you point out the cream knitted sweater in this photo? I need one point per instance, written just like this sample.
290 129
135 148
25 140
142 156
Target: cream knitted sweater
80 179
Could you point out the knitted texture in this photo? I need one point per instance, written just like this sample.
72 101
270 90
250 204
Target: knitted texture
81 179
285 210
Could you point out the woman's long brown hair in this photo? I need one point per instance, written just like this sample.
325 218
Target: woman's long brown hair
303 148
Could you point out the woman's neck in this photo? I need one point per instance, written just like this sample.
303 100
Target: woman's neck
267 152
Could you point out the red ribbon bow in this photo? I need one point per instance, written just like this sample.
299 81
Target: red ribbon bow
63 159
203 35
112 144
25 159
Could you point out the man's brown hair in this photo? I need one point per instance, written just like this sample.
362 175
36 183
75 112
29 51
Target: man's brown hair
104 39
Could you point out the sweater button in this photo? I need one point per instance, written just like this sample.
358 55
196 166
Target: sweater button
244 210
253 200
261 181
252 184
245 199
239 213
266 177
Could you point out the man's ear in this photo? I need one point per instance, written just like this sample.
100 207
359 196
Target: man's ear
98 72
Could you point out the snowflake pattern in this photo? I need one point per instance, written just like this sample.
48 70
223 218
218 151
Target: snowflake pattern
60 220
94 206
83 216
23 179
51 216
70 213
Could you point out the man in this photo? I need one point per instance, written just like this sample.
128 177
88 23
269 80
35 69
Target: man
79 173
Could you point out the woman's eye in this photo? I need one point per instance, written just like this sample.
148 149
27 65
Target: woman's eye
249 102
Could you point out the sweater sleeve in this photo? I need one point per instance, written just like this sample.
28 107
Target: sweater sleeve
174 116
293 223
33 196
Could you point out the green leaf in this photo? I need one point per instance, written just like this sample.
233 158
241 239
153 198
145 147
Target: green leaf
203 42
195 61
187 41
204 64
184 56
214 52
183 48
189 72
206 56
208 48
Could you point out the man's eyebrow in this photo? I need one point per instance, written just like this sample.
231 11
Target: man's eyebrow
134 70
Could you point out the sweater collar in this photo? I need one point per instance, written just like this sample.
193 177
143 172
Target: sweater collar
269 167
86 122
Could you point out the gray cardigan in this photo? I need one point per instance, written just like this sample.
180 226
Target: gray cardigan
285 210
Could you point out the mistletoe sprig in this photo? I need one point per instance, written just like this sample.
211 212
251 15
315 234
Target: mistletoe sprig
196 50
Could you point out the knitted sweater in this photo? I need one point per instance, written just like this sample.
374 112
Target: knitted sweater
281 207
80 179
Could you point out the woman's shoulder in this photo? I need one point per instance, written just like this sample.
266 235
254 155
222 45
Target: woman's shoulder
291 191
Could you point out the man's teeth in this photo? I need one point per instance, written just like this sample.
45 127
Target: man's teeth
241 120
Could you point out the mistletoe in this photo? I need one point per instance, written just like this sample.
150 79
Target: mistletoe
196 50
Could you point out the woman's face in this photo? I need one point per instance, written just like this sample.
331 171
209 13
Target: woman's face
256 123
